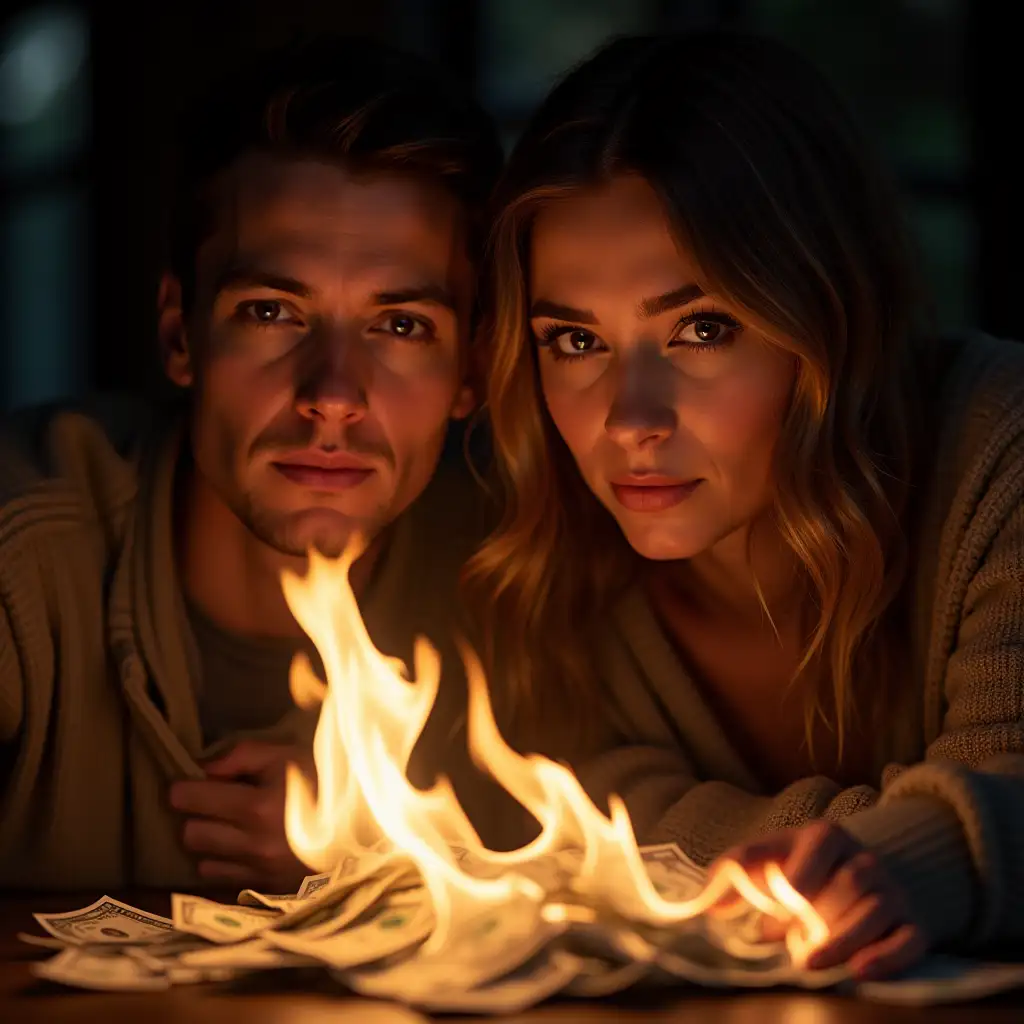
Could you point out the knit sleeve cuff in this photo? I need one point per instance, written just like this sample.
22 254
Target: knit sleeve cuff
920 841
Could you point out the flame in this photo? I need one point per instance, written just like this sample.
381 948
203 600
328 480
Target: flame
372 713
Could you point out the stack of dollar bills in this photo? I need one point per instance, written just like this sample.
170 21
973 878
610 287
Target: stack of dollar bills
367 923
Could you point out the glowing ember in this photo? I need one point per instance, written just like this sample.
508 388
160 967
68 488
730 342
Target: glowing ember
371 716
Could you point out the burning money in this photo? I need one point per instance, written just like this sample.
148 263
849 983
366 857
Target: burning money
409 905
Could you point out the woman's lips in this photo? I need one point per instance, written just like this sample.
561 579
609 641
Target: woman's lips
652 494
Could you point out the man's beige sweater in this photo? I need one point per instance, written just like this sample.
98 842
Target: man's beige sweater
946 809
99 672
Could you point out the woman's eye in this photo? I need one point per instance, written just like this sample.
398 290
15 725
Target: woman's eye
575 343
708 330
705 332
266 312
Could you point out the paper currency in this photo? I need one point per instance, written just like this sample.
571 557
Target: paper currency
543 976
218 922
488 946
945 979
102 971
106 921
370 922
388 931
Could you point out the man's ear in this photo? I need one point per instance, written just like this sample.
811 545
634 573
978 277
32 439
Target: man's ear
175 353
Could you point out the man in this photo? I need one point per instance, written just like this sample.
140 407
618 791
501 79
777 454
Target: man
318 316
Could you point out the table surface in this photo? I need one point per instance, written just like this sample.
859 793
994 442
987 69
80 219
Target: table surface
310 997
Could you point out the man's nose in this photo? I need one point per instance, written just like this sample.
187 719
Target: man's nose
642 413
334 387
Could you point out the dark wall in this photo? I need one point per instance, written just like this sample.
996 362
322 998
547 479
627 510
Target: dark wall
84 189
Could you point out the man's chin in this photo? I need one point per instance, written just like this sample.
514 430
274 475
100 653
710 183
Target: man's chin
323 530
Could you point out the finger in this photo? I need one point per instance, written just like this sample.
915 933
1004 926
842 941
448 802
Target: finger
861 876
865 923
817 851
250 758
216 839
773 847
283 878
228 872
897 952
227 801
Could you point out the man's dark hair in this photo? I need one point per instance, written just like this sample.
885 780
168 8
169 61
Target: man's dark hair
357 102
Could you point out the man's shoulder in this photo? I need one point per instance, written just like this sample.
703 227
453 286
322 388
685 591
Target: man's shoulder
71 463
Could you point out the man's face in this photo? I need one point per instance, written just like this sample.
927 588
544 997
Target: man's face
324 347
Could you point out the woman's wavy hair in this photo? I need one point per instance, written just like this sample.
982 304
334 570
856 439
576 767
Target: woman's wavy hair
769 185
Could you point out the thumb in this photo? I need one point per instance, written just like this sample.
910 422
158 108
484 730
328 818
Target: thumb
253 758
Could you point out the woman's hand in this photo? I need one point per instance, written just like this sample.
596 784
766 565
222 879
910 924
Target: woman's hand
867 914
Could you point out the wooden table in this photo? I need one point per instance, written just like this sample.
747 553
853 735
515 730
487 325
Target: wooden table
312 999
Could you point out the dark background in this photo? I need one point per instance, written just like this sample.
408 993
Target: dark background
89 92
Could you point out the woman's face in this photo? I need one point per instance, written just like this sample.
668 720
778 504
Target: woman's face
670 405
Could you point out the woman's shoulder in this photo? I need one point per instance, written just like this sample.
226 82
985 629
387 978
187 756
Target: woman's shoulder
973 400
972 456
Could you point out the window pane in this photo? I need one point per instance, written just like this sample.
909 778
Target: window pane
44 240
527 44
899 63
44 95
945 237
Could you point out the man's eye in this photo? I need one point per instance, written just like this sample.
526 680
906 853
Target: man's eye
266 312
402 325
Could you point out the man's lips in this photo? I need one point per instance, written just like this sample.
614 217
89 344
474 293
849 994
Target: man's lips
324 471
652 493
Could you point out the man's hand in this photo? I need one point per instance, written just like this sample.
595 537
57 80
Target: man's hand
235 818
867 914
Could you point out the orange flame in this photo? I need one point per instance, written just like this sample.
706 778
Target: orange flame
370 718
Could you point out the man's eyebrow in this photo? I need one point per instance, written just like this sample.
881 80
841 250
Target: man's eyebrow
435 293
544 307
238 277
683 296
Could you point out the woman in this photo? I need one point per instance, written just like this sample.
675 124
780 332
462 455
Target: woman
762 546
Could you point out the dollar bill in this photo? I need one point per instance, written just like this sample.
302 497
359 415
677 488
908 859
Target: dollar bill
944 979
107 921
674 875
541 977
490 945
42 941
270 901
702 963
596 979
102 971
218 922
369 920
310 886
251 955
382 934
678 878
551 872
333 915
